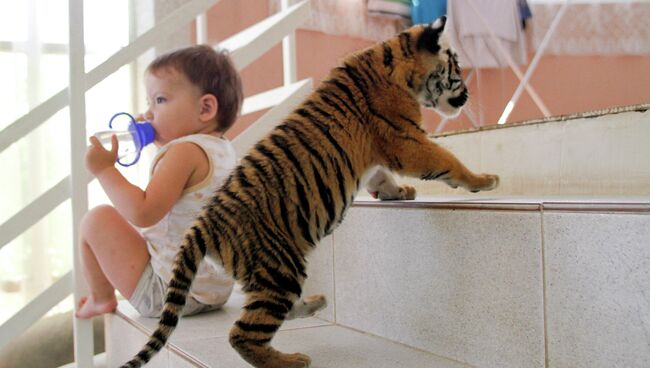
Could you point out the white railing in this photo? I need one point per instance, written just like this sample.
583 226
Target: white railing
244 48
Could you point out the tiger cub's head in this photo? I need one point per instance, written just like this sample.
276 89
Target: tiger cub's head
436 79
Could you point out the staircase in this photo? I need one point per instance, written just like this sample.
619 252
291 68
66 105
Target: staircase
489 281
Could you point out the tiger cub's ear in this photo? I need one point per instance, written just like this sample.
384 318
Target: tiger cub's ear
439 23
429 38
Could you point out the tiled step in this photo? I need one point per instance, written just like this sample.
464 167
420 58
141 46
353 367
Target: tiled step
473 281
201 341
599 153
504 282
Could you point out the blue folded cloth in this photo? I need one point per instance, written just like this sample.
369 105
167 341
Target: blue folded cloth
426 11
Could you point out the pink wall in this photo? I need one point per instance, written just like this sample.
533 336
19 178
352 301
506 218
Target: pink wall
565 84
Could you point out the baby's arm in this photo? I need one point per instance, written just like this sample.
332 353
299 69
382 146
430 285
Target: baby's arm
146 207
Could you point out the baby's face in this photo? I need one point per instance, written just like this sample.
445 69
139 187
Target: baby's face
174 105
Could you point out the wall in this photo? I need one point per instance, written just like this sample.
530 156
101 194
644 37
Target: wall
603 155
566 84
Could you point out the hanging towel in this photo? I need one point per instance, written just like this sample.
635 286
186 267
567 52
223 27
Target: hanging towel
472 40
390 8
524 12
426 11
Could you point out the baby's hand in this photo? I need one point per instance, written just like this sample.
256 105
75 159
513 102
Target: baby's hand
97 158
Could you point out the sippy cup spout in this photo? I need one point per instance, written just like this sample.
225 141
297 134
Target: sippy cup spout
132 139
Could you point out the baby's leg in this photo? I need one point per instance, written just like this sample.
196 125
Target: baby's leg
307 307
113 255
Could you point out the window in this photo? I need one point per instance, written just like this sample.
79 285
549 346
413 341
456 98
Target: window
33 67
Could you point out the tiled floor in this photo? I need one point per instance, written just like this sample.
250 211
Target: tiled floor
504 282
202 341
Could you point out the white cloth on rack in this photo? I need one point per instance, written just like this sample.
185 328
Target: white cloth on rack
605 28
390 8
472 39
349 18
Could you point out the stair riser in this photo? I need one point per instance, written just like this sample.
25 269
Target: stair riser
607 155
480 286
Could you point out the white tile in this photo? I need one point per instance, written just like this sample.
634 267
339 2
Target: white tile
460 284
523 164
598 290
123 341
608 155
602 155
177 361
328 347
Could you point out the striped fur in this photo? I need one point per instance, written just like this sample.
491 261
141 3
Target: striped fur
294 186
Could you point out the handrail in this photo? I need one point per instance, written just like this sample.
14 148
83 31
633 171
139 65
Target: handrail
37 116
268 99
251 43
296 93
34 211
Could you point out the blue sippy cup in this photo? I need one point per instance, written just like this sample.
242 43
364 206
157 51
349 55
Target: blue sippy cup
132 137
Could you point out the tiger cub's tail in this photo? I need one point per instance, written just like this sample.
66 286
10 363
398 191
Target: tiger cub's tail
185 265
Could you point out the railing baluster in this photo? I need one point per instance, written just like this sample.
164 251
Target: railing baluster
289 54
83 329
202 28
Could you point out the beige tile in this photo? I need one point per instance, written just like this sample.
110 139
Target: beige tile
523 163
464 285
604 155
610 159
328 347
598 290
467 147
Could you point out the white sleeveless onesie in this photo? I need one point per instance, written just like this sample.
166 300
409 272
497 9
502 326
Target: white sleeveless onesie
211 285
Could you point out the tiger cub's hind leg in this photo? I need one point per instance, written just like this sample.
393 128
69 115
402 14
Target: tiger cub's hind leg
251 335
307 307
382 185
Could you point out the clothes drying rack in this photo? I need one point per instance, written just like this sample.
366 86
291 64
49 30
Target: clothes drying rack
524 78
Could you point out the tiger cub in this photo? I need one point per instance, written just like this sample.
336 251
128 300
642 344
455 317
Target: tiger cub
295 185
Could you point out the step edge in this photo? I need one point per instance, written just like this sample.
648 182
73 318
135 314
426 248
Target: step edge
639 207
178 351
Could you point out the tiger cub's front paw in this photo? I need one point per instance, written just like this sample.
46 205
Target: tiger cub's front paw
485 182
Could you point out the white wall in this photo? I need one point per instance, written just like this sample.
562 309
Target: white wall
605 155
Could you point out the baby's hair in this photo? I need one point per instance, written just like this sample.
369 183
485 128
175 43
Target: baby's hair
213 72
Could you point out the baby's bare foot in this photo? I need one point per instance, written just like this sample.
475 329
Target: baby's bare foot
89 308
